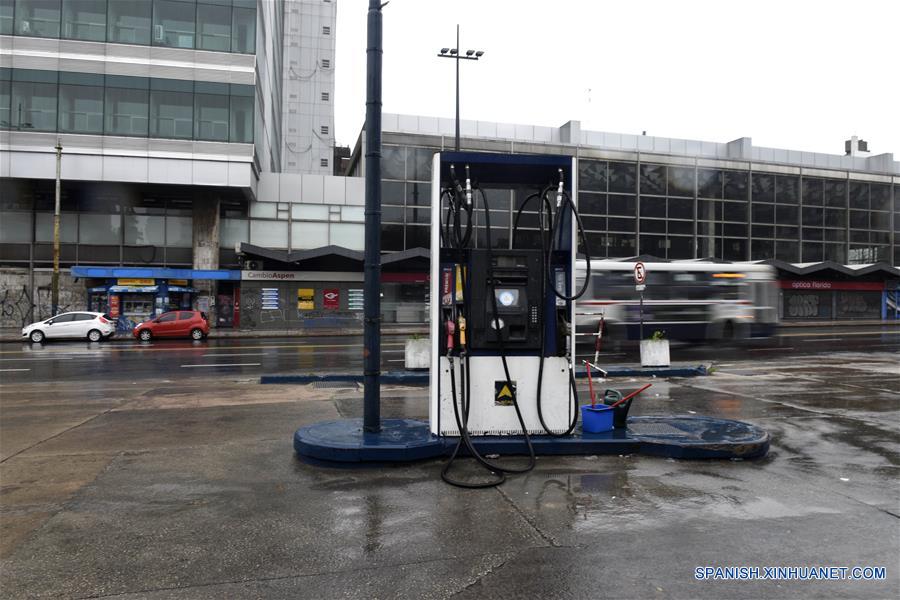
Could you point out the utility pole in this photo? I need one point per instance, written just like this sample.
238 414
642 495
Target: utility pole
372 264
54 285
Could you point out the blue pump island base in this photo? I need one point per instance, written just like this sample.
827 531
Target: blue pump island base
344 443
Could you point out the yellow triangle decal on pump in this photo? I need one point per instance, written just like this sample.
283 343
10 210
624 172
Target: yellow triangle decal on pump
504 392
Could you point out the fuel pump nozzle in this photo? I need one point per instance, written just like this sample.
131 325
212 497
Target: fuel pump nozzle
451 331
456 183
559 189
468 188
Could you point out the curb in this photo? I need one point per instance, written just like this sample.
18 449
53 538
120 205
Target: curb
699 370
398 377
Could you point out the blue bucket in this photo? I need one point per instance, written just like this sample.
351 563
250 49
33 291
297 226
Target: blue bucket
596 419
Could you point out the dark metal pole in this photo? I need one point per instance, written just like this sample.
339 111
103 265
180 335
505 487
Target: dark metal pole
458 52
372 285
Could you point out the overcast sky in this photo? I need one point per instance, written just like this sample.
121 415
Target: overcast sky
803 75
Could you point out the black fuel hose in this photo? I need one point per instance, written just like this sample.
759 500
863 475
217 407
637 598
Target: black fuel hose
546 266
557 233
462 421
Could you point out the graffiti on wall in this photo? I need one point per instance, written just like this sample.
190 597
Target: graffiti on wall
16 307
803 305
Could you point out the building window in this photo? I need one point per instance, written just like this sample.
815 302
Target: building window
80 103
243 28
84 20
241 129
211 111
34 97
130 21
324 129
37 18
171 109
326 63
173 23
213 27
6 16
324 96
323 162
326 30
127 105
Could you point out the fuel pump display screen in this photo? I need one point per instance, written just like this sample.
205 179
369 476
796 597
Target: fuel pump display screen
508 298
516 277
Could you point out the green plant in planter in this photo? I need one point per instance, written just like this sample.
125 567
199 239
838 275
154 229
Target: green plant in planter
658 336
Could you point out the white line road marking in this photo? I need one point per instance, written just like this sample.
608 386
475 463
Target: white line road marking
11 370
147 348
6 360
827 340
843 333
238 354
222 365
770 349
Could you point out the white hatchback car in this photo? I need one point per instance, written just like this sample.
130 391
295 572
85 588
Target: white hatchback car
92 326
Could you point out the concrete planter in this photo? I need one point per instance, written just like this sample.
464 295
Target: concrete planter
654 353
418 354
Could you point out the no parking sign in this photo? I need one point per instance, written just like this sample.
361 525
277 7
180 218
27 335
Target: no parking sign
640 275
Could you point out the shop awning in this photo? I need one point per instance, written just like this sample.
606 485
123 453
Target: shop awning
181 288
128 289
102 288
153 273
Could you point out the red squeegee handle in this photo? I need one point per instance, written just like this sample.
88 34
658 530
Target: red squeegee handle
630 396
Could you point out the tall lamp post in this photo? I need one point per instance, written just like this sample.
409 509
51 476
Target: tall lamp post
456 54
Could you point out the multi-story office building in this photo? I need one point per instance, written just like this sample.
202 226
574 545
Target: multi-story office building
169 112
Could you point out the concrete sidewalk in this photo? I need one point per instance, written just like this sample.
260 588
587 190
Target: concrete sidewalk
189 488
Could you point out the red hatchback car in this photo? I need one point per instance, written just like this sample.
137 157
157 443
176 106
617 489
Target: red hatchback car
178 323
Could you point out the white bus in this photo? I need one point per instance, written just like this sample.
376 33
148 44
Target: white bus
685 300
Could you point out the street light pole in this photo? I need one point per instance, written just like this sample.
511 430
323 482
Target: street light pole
54 282
372 263
456 54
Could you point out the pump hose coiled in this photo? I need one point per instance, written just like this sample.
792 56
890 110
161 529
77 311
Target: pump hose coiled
499 472
555 233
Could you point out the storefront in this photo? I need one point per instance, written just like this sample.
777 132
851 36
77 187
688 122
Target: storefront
131 295
323 288
829 291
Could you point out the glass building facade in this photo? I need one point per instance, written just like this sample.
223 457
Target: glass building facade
106 223
216 25
33 100
675 211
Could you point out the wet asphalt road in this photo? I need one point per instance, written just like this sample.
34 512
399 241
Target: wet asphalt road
129 360
160 481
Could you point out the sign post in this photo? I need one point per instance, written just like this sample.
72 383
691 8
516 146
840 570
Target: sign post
640 277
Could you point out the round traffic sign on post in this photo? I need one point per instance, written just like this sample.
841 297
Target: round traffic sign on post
640 273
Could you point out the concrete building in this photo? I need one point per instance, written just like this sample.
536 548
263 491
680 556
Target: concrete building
308 76
810 214
169 113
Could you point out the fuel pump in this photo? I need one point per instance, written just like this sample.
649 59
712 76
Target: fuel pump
504 315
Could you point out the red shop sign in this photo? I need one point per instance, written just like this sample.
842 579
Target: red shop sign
114 306
875 286
331 298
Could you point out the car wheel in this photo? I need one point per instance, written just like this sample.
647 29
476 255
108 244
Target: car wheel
196 334
37 336
145 335
94 335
